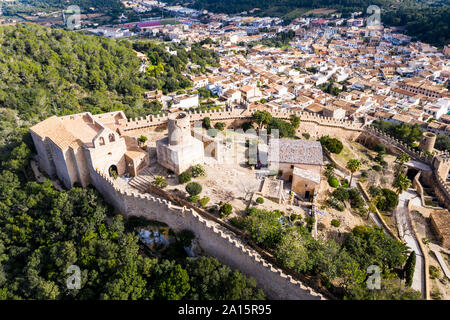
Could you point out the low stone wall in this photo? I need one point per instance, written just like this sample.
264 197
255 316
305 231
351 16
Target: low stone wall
338 166
424 252
414 154
216 240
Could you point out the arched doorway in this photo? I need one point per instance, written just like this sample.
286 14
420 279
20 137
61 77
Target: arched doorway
113 172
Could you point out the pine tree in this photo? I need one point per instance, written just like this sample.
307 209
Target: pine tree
409 268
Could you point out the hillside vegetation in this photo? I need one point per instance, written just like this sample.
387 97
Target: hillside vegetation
51 71
34 6
44 231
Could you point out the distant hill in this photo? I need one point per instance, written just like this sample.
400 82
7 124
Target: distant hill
33 6
426 21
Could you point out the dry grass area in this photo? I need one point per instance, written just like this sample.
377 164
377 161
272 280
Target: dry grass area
355 150
347 218
442 284
320 11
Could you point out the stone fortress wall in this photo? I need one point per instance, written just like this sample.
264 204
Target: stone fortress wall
220 242
439 163
316 126
214 239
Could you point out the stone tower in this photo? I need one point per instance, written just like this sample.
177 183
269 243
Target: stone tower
179 128
179 150
427 141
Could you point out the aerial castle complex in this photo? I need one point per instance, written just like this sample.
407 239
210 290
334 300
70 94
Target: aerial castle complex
94 149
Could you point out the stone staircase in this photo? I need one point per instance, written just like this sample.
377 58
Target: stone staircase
142 181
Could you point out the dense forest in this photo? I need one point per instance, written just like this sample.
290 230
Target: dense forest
34 6
428 22
51 71
42 230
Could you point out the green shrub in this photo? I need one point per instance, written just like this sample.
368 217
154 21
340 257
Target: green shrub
184 177
203 201
435 273
306 136
345 183
247 126
198 171
409 268
310 221
193 188
335 223
381 148
356 200
238 222
375 191
387 201
336 204
364 174
207 122
260 200
333 145
333 181
329 170
294 217
193 199
225 210
160 181
341 194
377 168
220 126
436 294
113 173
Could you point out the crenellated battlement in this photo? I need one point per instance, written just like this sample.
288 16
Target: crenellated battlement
209 231
222 114
415 154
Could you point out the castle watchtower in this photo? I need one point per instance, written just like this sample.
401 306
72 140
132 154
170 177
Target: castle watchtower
179 150
179 128
427 142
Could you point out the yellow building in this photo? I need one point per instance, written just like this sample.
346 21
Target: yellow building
299 162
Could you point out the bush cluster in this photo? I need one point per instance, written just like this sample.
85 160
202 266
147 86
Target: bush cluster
333 145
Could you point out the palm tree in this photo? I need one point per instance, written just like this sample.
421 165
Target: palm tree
401 183
353 165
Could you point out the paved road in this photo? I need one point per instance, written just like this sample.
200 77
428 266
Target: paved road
407 234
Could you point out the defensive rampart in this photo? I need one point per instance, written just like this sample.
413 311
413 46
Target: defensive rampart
216 240
315 125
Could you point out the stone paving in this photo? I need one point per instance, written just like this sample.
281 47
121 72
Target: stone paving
407 234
